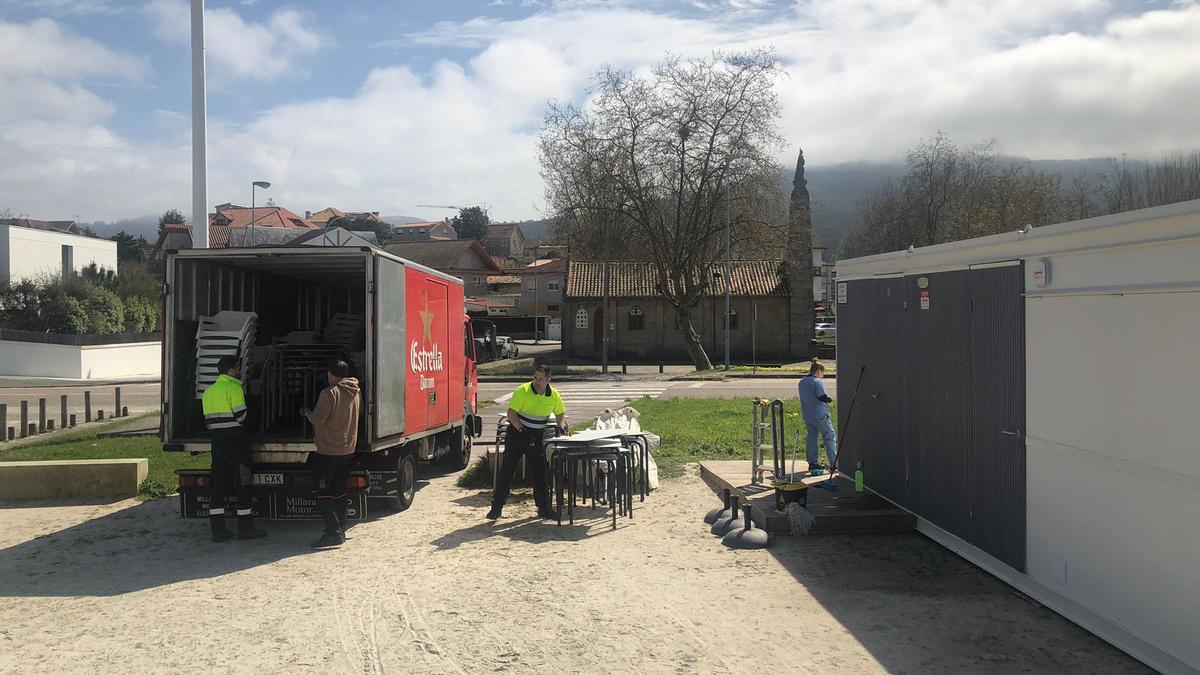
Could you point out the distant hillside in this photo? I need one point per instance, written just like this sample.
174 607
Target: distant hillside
535 229
404 220
837 190
145 226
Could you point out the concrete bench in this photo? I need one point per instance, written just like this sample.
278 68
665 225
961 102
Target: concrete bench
72 478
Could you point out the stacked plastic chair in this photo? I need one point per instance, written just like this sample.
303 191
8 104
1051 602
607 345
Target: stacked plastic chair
344 330
223 334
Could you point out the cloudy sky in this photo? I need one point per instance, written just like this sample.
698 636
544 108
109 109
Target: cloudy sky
384 105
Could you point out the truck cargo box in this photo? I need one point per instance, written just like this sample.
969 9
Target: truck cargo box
288 310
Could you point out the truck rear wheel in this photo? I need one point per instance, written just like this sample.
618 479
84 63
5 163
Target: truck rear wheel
460 449
406 482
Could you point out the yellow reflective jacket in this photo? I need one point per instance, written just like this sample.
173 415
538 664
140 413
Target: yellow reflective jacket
225 405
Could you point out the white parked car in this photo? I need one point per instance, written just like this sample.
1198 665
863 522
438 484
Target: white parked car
826 334
508 348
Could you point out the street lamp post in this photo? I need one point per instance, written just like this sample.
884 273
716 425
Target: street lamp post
728 274
608 319
536 332
256 184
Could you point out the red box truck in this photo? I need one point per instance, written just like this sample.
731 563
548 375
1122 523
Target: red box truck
284 313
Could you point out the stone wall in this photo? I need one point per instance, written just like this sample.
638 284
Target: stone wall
660 338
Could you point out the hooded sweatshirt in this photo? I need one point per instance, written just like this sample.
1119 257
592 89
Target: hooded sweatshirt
335 418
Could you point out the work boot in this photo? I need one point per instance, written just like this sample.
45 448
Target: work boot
246 529
219 533
494 514
329 515
329 540
343 508
547 513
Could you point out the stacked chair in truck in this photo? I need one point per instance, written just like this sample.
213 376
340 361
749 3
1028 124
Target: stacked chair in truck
223 334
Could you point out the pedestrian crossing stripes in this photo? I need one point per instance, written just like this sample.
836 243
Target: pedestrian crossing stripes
581 397
586 400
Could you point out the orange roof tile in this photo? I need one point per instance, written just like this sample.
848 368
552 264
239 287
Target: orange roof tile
585 279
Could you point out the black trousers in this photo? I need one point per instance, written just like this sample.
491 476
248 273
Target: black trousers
333 500
525 443
230 473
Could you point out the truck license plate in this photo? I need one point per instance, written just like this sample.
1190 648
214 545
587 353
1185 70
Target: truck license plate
267 479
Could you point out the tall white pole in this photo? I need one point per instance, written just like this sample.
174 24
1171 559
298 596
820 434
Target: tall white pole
199 132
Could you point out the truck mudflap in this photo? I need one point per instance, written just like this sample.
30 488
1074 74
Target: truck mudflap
277 494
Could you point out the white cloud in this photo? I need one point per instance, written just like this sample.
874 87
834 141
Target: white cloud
45 48
866 80
59 155
236 48
67 7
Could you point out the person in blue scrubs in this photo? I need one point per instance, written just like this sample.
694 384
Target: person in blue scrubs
814 405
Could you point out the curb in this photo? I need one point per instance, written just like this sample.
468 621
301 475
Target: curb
745 376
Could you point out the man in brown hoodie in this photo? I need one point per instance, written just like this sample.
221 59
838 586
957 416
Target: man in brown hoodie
335 430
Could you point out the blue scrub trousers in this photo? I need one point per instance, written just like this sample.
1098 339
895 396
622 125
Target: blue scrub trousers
824 429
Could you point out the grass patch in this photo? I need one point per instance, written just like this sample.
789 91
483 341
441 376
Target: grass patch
698 429
84 444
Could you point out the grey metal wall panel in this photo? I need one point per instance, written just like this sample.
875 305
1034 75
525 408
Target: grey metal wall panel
938 380
996 451
871 334
943 392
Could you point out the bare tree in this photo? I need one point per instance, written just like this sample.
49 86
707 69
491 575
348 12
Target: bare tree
952 193
1140 185
659 156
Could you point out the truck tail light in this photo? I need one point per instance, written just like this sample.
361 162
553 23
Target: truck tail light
193 481
356 482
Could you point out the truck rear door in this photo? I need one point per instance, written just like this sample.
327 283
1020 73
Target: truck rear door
389 360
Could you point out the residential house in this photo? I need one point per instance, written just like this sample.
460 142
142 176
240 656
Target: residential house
462 258
229 218
529 250
31 252
232 216
439 230
542 287
504 293
331 215
68 226
643 325
505 241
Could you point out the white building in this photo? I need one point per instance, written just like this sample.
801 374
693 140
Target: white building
1032 398
26 253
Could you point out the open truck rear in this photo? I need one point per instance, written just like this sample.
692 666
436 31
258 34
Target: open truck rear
285 312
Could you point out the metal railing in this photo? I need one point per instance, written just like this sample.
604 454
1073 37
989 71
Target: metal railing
14 335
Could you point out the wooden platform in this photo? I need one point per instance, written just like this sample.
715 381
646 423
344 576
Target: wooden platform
843 511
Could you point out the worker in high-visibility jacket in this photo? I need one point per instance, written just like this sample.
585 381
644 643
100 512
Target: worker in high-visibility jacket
225 416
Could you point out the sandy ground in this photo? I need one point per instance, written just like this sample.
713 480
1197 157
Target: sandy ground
130 587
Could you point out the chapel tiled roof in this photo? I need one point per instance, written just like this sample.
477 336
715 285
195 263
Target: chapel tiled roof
585 279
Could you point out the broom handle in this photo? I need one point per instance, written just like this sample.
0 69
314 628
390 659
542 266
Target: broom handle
842 432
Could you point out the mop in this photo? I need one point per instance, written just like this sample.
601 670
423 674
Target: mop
800 519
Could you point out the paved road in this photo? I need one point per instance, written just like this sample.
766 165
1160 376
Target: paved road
584 399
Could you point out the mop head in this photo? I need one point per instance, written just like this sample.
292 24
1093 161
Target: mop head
800 519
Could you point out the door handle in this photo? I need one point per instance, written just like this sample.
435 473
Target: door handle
1010 433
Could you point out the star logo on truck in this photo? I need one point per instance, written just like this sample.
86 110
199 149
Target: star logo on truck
426 322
